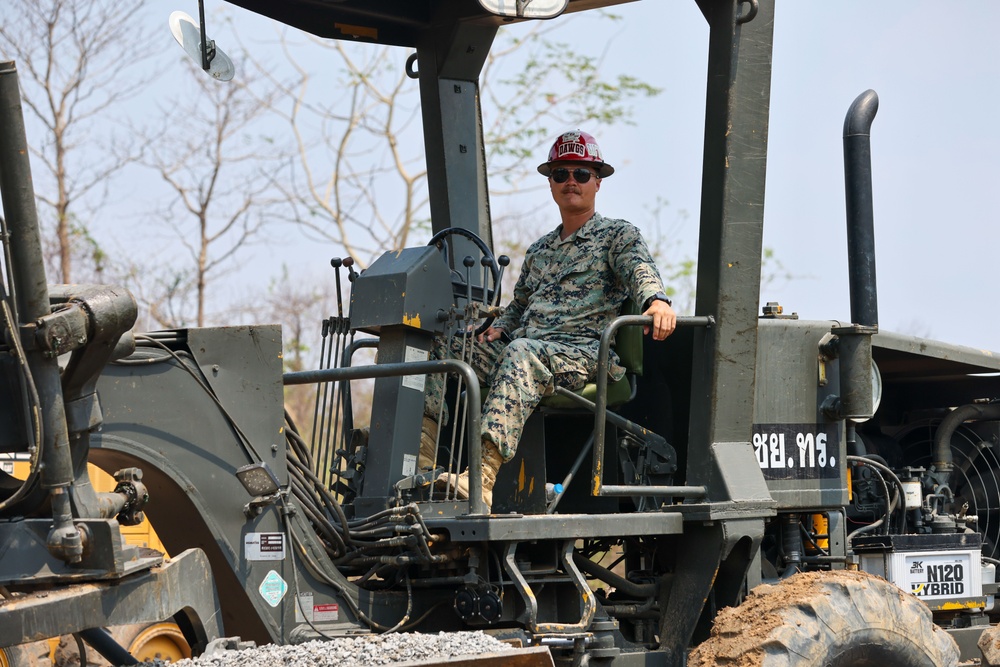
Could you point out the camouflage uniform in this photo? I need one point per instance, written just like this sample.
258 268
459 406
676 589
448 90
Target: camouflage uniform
568 292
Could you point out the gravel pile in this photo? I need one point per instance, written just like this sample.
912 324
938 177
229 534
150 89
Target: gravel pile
366 650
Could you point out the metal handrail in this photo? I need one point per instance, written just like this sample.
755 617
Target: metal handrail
476 505
601 411
473 417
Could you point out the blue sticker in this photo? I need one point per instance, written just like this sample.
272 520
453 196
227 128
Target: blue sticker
273 588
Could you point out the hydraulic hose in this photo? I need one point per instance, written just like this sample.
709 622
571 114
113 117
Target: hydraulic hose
27 269
948 426
620 583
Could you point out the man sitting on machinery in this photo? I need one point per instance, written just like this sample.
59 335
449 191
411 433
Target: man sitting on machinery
572 284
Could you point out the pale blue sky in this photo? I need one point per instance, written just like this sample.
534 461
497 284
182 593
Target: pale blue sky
934 145
934 142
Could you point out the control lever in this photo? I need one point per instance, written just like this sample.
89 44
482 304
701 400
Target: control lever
503 261
349 263
336 263
468 262
485 261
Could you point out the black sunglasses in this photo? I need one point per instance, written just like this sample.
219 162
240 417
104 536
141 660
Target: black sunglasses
580 175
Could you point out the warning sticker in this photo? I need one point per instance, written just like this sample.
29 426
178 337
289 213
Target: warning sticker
303 608
409 465
326 612
273 588
264 546
415 354
306 611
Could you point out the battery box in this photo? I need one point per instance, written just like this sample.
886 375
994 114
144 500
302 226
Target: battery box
943 570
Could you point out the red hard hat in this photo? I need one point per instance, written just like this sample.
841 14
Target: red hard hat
576 146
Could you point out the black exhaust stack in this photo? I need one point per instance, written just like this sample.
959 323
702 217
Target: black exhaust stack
860 211
855 341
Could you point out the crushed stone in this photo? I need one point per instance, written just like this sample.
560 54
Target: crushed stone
360 651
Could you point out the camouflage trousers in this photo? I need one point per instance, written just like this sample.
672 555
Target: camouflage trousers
515 376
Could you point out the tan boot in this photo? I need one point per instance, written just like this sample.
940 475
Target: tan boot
491 464
428 444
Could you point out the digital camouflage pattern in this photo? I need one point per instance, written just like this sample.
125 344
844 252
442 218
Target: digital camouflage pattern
566 295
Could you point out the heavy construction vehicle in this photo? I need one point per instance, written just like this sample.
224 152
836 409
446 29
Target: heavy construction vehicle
750 476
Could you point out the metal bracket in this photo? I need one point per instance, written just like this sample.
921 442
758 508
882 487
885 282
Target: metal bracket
531 602
751 13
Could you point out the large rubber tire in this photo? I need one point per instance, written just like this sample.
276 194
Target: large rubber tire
827 619
35 654
145 641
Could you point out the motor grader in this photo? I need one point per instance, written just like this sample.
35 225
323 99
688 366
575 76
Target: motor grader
756 473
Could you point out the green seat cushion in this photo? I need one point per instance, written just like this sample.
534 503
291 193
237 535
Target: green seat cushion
618 393
628 341
628 346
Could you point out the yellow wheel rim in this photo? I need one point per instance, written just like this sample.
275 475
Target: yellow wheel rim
160 640
4 660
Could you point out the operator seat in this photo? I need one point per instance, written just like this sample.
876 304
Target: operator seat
520 482
628 347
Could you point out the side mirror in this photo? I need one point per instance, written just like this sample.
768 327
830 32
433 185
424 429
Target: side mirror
199 48
525 9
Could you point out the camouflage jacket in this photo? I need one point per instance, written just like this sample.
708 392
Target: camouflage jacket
569 290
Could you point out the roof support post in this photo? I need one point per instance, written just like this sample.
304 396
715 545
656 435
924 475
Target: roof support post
729 248
449 61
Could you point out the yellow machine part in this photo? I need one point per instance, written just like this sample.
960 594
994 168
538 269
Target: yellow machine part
160 641
821 527
156 641
146 642
142 535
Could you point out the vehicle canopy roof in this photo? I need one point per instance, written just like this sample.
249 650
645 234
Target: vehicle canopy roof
392 22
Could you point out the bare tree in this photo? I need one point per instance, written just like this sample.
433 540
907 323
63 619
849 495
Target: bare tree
352 144
359 186
533 87
79 60
219 165
307 309
359 178
300 306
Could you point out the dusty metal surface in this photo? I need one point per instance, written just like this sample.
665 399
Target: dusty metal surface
181 586
507 527
537 656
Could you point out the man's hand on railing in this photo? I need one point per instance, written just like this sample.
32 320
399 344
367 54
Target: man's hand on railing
664 319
